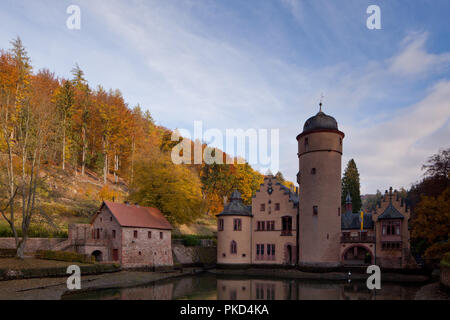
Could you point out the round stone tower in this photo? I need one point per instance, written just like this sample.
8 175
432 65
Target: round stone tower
234 233
320 156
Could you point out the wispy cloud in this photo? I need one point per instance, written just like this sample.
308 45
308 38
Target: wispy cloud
392 152
415 60
264 66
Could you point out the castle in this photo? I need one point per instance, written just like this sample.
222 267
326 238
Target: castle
308 226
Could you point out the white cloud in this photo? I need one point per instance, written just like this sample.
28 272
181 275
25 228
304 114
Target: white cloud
183 72
415 60
392 152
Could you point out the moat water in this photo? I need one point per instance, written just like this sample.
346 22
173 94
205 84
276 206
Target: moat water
212 287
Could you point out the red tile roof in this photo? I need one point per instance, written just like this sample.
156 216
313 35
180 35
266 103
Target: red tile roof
139 217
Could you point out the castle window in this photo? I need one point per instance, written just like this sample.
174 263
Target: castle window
110 218
286 225
339 212
315 210
271 225
135 234
277 207
161 235
306 141
259 252
114 234
149 234
233 249
263 207
271 252
313 171
340 141
237 223
220 226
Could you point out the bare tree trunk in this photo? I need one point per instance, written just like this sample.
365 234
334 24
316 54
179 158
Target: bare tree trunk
133 146
105 167
83 157
64 145
116 168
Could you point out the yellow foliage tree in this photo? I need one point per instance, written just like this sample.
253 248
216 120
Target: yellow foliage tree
432 223
173 189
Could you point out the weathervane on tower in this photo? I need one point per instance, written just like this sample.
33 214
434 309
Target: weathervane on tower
321 101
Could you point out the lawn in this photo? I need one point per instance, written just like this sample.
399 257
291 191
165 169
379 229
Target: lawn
32 263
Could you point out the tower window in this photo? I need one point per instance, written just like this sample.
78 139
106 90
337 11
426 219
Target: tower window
277 207
237 225
339 212
313 171
306 142
315 210
263 207
135 234
233 249
220 226
340 141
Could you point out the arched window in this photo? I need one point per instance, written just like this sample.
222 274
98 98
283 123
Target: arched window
233 249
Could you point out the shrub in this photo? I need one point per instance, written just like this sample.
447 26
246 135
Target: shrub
33 232
446 259
7 253
191 241
64 256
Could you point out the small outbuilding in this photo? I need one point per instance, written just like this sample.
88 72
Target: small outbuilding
131 235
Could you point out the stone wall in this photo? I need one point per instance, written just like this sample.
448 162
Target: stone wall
445 277
32 245
148 249
194 255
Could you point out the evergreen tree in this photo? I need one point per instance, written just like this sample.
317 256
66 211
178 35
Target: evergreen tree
350 184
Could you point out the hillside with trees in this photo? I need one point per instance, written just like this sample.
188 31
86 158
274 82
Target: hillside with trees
66 146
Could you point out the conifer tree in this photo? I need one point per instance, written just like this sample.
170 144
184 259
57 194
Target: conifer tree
351 184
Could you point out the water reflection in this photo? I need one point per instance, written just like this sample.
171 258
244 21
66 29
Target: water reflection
210 287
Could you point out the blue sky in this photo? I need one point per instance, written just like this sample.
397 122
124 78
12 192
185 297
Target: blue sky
264 64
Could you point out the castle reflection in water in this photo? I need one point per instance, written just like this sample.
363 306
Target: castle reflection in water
208 287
